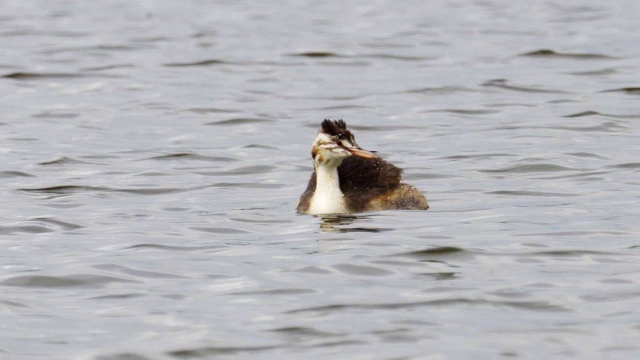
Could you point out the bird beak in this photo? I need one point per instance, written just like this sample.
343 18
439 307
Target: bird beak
362 153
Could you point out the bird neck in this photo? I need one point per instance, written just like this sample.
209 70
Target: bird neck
328 198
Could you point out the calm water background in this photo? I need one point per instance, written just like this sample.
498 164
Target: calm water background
153 153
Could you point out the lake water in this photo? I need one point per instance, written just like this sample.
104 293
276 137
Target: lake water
153 154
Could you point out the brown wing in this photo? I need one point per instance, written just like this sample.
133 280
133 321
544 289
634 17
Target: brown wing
305 198
362 180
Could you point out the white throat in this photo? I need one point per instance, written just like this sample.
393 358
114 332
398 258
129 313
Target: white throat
328 198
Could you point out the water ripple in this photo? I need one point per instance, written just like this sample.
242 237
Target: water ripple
63 161
441 90
123 356
207 110
248 185
525 305
39 225
598 72
466 111
435 251
571 253
29 229
109 67
65 189
12 174
135 272
299 331
530 193
630 165
176 248
47 76
316 54
546 53
477 156
219 230
209 62
244 170
54 115
76 280
191 156
74 189
361 270
626 90
596 113
529 168
240 121
157 191
64 225
216 351
328 54
503 84
275 292
604 127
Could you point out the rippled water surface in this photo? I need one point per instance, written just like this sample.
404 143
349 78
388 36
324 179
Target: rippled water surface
153 154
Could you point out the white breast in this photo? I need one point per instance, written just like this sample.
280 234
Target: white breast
327 199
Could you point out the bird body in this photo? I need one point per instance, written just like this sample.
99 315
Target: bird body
347 179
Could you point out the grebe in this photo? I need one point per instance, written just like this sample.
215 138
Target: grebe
348 179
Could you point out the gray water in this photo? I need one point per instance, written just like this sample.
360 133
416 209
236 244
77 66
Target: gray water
153 154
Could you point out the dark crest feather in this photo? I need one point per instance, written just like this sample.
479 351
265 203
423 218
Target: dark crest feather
334 127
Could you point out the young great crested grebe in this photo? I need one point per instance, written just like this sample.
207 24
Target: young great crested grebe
348 179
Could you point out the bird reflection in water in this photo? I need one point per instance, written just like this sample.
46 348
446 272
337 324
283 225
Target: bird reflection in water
339 223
